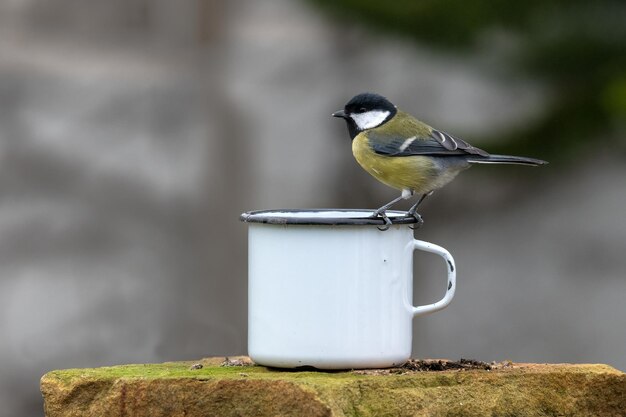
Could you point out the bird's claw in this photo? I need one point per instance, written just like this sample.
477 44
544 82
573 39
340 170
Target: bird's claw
418 218
385 218
387 223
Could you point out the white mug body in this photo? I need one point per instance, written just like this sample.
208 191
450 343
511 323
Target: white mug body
331 296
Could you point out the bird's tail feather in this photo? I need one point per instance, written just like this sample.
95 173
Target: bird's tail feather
504 159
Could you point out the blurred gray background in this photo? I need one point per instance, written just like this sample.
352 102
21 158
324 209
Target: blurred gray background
134 133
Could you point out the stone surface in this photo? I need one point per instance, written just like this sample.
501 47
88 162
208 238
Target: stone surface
235 387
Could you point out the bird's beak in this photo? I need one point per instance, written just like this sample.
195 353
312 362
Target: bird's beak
340 113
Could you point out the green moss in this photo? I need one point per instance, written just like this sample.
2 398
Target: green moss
177 370
213 370
152 371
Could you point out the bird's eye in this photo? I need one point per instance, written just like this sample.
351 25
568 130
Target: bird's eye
362 110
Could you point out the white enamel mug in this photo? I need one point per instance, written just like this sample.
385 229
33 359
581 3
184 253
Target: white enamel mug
327 289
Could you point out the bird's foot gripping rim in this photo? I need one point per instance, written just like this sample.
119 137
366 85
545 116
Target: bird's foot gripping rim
418 218
385 218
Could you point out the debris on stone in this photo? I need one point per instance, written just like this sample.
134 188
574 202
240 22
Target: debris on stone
425 365
436 365
238 361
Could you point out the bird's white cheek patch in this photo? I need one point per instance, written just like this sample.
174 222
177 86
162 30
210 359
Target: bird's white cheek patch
369 119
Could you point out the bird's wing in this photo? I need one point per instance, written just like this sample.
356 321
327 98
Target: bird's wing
411 137
436 143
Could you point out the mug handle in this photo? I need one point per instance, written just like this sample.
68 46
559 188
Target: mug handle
451 268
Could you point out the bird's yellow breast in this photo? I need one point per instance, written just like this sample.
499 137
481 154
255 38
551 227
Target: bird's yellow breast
415 173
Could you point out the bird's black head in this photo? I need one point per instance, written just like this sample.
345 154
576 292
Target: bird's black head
366 111
367 102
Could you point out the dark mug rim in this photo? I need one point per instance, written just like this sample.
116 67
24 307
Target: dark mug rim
317 217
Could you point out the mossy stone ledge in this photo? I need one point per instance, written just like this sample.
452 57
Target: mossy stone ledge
236 387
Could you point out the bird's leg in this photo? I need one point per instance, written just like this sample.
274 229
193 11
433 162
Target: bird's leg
381 211
386 207
413 210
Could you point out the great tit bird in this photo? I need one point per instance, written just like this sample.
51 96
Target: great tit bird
406 154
